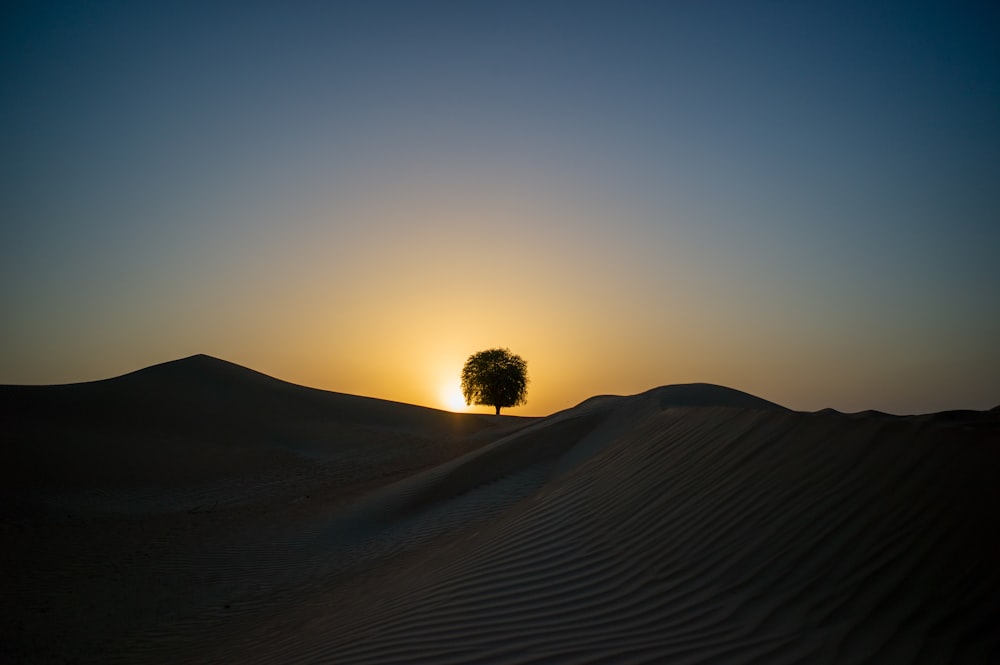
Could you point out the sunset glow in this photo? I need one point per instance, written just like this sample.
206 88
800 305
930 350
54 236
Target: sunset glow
452 398
356 199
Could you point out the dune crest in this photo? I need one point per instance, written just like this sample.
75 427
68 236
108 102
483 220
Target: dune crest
693 524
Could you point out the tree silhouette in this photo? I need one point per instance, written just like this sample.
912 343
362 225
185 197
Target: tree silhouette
495 377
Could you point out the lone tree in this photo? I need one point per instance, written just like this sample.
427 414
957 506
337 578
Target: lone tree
495 377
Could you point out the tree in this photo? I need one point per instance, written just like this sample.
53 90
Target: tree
495 377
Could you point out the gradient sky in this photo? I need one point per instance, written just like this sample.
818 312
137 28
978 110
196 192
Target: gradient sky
799 200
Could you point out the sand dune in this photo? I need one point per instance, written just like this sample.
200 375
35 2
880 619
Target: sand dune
688 524
198 421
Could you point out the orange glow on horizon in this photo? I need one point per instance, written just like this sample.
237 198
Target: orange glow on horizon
452 398
395 314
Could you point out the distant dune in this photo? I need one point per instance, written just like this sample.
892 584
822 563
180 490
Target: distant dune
198 511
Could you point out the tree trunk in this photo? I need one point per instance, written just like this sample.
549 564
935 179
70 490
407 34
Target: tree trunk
498 411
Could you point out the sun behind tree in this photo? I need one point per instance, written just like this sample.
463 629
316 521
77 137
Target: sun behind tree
495 377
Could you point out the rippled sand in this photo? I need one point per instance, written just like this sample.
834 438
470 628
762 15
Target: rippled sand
201 512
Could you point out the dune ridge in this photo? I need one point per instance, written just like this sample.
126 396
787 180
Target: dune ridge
687 524
659 550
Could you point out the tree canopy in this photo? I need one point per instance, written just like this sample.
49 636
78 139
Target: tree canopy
495 377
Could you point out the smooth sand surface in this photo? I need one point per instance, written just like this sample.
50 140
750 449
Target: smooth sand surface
198 511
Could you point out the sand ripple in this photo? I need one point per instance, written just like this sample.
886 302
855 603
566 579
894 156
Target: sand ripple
628 530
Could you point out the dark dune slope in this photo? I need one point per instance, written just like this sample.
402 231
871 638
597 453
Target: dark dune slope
631 530
711 535
688 524
200 419
150 497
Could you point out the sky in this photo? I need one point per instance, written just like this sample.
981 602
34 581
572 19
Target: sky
798 200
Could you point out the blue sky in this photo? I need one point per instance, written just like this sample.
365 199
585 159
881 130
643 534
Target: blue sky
794 199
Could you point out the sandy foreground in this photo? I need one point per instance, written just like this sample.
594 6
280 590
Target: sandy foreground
197 511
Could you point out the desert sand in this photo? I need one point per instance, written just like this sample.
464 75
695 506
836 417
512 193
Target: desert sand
198 511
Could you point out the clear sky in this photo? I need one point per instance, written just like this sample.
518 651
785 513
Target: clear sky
800 200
